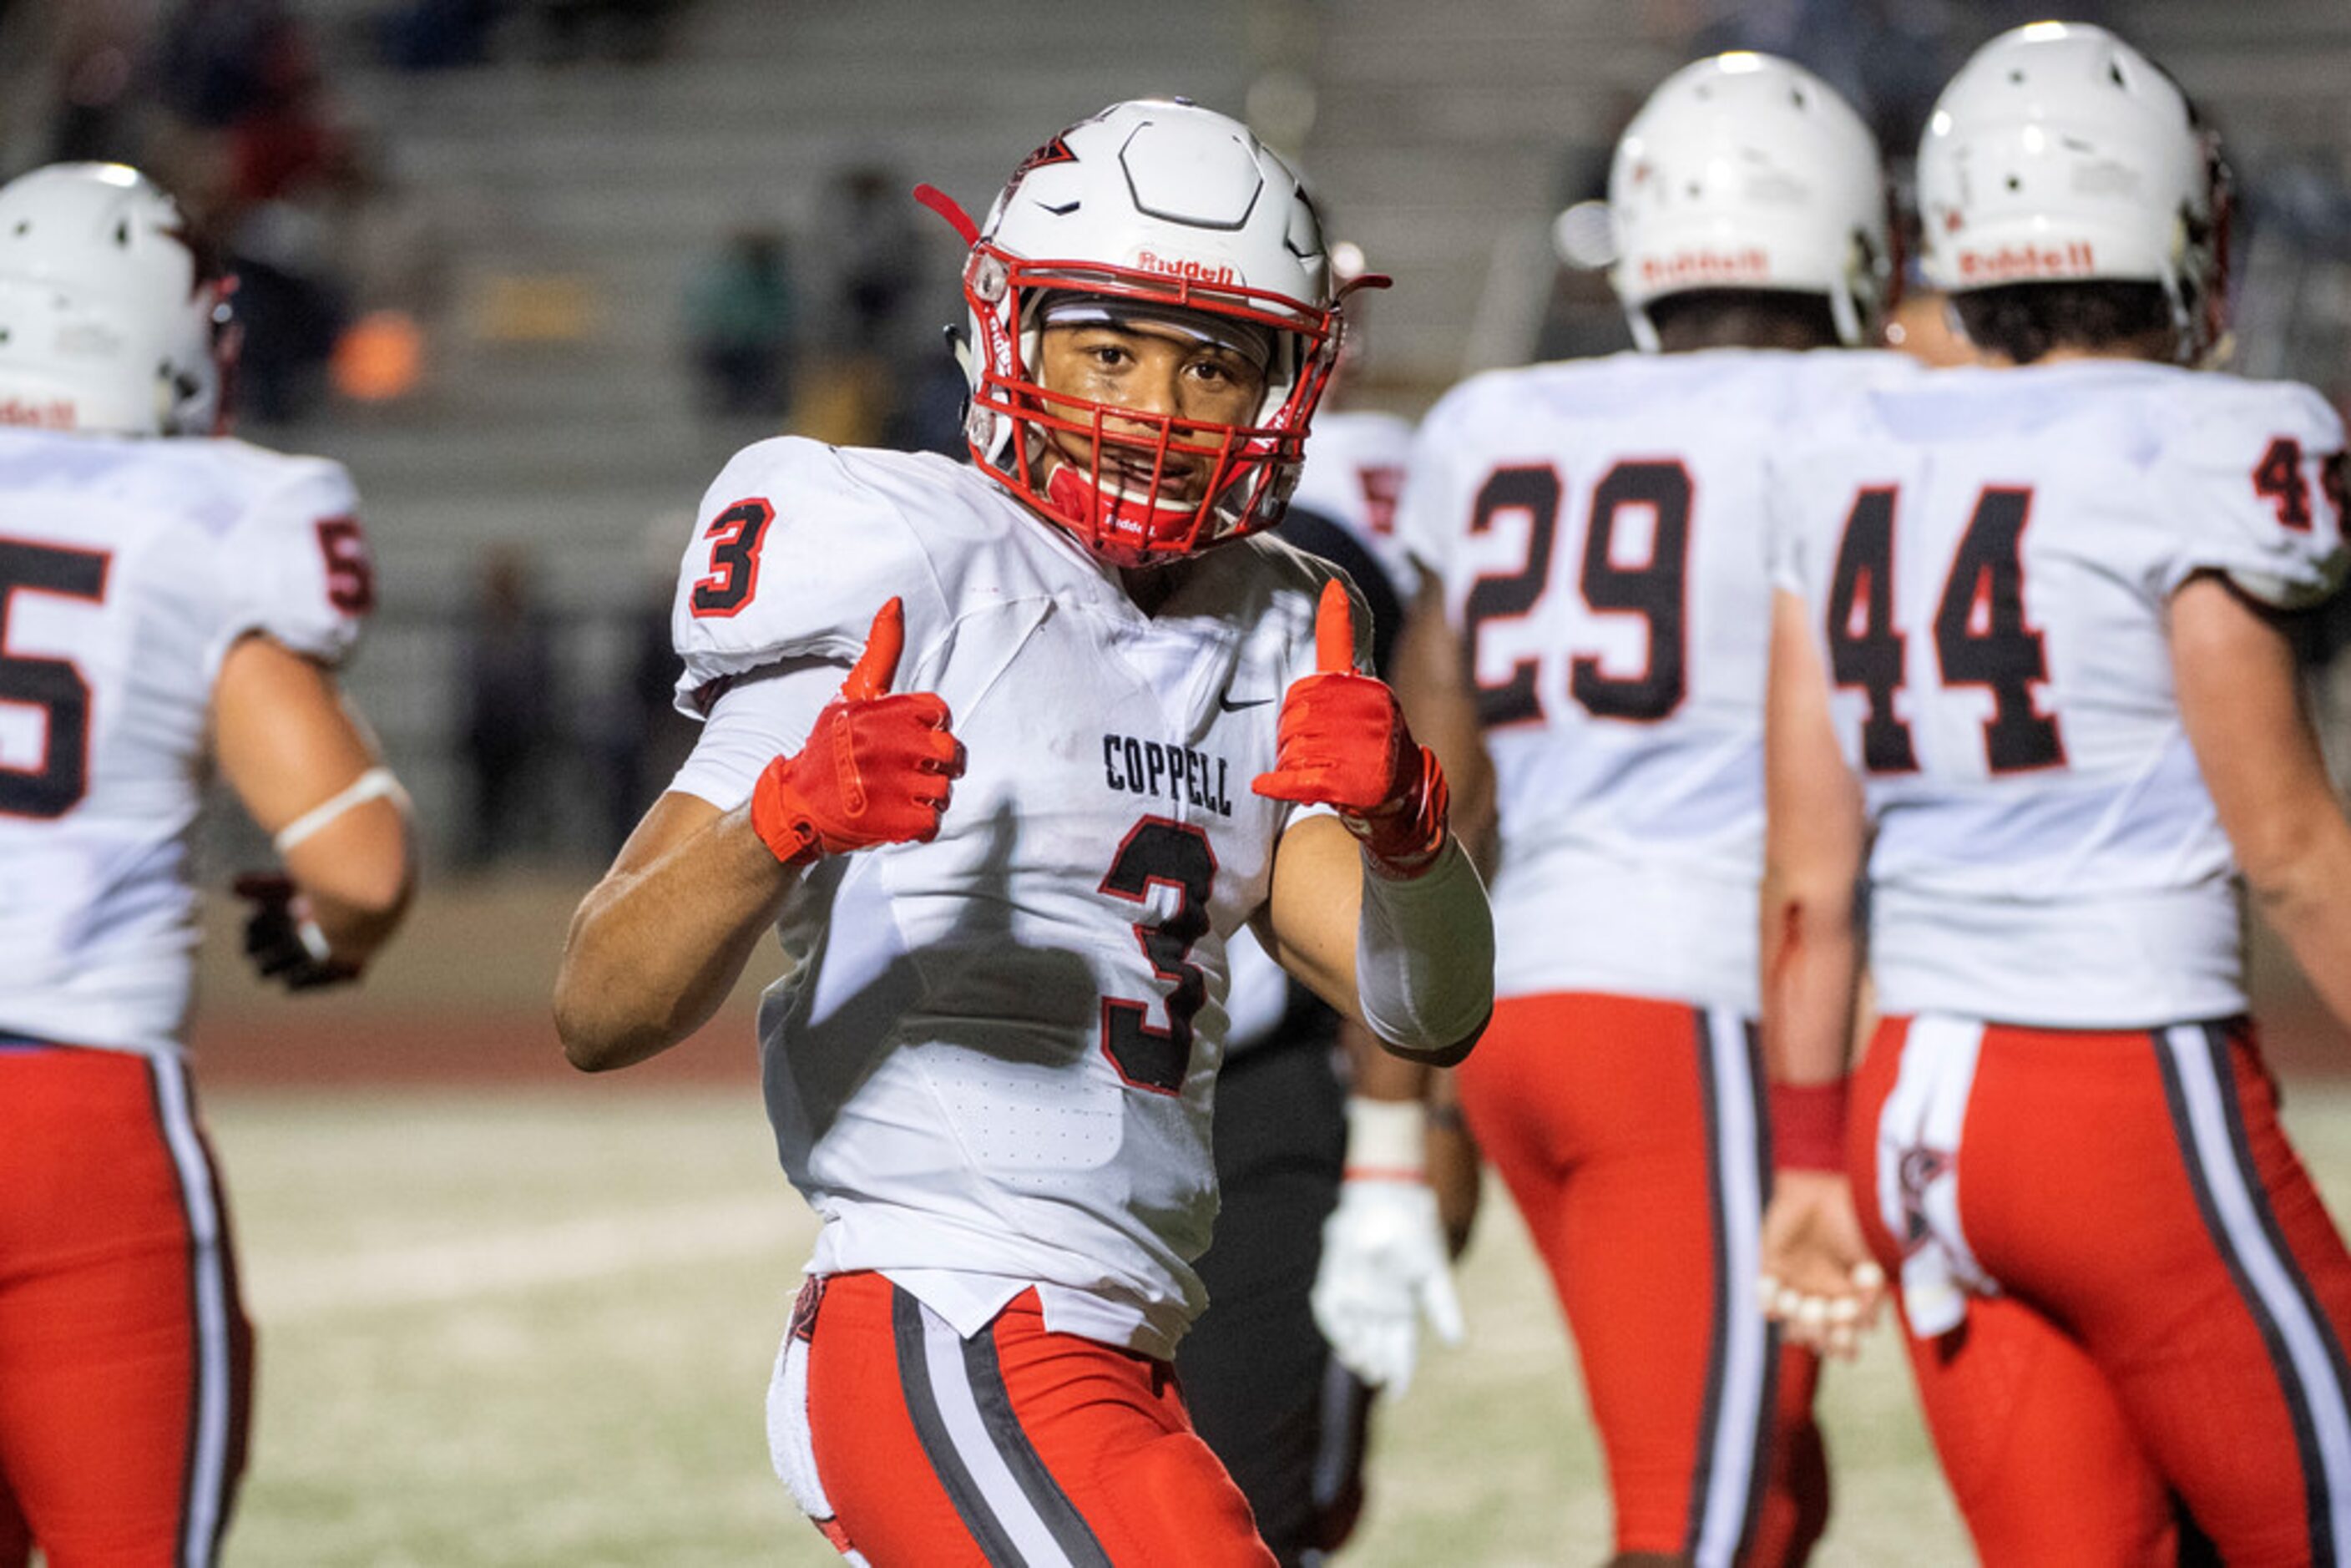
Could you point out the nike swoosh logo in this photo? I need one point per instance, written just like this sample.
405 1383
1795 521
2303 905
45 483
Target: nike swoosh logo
1226 703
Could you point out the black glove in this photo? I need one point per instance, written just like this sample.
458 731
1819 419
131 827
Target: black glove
284 945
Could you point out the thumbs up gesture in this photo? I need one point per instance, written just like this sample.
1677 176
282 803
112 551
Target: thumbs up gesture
876 768
1342 743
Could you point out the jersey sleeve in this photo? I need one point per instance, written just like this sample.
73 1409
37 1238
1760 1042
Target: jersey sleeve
788 561
296 564
2252 472
753 722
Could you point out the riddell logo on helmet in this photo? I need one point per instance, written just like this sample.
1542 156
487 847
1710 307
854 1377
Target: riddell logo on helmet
55 413
1191 271
1707 266
2076 258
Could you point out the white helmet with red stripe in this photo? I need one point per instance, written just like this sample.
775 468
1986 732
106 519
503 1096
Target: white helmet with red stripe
1746 171
2060 153
110 320
1163 209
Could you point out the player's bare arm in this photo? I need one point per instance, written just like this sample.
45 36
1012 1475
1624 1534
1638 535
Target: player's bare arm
309 772
658 943
1818 1277
2240 700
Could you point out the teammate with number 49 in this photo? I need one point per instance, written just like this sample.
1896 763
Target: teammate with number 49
2028 633
1093 721
169 603
1590 665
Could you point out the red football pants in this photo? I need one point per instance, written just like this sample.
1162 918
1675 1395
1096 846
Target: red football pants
125 1357
1630 1135
1015 1449
2173 1299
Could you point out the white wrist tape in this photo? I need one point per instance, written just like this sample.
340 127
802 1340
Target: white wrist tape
314 941
376 784
1386 1138
1424 954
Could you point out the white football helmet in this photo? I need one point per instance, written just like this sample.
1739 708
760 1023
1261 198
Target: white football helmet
2060 153
110 321
1746 171
1153 205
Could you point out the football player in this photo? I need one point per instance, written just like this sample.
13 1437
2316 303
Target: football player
1006 752
1590 665
2028 635
170 603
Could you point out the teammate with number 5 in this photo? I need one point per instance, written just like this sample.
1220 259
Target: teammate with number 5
170 603
2028 671
1589 662
1094 720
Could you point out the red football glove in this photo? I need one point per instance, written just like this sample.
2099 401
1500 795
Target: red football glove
1343 744
875 770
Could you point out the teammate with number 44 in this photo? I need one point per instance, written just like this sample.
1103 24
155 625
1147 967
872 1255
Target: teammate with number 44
2027 631
1093 722
169 603
1588 659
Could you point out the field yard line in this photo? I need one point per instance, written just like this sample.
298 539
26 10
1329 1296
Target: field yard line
293 1287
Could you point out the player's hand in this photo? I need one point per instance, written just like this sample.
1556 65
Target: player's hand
1384 1266
876 768
282 940
1344 742
1818 1279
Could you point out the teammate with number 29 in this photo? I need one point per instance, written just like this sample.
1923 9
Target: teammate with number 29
1006 753
2029 673
1589 662
170 603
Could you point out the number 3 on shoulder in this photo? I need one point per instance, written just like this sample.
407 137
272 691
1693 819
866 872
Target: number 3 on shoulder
734 537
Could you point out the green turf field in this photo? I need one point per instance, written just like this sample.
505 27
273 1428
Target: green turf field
532 1326
512 1316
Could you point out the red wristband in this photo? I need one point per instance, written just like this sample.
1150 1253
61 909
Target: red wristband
1808 1126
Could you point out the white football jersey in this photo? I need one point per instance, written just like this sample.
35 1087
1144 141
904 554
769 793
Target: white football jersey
127 569
1986 557
990 1065
1599 528
1353 474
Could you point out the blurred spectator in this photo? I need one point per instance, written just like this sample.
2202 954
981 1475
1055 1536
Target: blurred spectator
865 389
878 257
640 740
247 73
219 57
512 733
741 326
97 53
435 34
293 307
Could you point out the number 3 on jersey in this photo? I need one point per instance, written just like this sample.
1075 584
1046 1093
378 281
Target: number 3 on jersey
1161 853
1981 638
